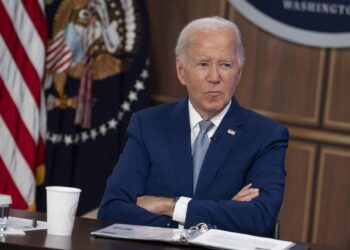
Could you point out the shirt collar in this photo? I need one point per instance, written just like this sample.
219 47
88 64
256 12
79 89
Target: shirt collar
195 118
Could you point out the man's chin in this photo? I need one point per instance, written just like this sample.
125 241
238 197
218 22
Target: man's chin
214 108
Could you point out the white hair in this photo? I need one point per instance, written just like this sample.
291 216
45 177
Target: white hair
205 24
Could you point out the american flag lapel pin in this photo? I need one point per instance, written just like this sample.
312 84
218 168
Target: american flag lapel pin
231 132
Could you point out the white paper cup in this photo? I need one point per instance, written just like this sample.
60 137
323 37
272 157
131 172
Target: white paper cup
62 203
57 242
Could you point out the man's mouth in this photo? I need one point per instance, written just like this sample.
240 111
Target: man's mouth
214 93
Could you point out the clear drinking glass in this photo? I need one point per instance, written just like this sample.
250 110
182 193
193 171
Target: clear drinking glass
5 202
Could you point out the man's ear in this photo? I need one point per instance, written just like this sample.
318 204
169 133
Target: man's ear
180 71
239 75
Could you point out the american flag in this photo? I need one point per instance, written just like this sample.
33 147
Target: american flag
23 31
59 57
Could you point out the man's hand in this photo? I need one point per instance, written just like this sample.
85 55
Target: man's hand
246 194
156 205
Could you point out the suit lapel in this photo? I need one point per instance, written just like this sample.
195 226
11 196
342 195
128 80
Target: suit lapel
227 134
179 138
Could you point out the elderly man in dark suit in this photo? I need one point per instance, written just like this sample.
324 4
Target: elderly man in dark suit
204 158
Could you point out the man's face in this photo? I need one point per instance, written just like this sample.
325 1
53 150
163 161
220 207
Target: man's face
210 70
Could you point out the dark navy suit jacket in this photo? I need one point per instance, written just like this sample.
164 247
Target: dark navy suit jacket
157 161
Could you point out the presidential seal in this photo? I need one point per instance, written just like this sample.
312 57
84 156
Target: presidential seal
91 41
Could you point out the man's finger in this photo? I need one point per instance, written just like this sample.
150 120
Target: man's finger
246 194
247 186
248 197
247 191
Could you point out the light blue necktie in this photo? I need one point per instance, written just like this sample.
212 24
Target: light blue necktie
199 149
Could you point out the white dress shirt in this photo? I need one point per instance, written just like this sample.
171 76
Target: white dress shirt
180 209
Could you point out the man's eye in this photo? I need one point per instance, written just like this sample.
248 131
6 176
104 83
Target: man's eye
226 65
202 64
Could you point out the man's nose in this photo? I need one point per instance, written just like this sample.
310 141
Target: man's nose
214 75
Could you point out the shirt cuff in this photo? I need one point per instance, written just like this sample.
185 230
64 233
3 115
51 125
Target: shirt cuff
180 210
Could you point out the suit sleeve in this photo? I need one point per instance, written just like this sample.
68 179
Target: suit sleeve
258 217
127 182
